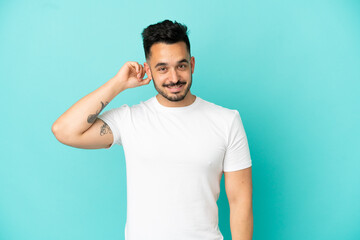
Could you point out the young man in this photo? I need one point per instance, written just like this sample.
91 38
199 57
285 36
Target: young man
177 145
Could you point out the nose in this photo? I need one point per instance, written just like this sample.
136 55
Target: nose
174 76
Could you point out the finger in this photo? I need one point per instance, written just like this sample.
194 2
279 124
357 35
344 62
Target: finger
143 72
136 66
137 70
140 73
142 79
146 81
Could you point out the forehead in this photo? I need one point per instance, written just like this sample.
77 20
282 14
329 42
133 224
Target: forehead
169 53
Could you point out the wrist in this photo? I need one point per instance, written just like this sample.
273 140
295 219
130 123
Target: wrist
117 85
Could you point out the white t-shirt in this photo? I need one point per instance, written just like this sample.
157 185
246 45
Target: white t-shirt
175 158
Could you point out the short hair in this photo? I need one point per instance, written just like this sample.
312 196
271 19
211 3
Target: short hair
166 32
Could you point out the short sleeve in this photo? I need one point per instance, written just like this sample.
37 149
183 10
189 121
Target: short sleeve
237 154
114 118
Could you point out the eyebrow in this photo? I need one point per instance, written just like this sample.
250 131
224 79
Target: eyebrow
165 64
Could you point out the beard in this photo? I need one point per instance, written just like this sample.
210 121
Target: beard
174 97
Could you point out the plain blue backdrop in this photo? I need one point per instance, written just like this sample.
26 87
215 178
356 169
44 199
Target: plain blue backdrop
291 69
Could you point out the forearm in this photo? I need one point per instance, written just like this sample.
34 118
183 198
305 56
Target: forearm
241 221
79 117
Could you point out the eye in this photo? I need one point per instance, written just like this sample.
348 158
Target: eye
182 66
161 69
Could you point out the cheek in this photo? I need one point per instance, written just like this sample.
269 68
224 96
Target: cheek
160 78
187 75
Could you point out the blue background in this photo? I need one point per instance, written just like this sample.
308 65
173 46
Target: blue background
291 68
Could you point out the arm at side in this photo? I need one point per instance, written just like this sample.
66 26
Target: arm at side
238 186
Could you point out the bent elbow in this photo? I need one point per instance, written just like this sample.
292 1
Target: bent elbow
59 134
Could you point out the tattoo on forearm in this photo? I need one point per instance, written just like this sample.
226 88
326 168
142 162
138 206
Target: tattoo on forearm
105 129
92 117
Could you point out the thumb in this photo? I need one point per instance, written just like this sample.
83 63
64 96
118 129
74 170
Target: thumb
146 81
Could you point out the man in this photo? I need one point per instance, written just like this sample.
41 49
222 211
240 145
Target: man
176 145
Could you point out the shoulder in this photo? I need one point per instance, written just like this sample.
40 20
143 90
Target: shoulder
129 109
141 108
115 113
217 111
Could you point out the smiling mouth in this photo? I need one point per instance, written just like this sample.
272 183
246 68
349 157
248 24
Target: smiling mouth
175 88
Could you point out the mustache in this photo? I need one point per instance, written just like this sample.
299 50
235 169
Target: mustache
173 84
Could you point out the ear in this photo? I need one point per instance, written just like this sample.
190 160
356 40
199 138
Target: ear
147 69
192 62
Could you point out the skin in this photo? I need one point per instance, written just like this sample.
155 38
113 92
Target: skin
92 117
172 70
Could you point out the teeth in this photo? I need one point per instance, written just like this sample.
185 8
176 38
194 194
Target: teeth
176 86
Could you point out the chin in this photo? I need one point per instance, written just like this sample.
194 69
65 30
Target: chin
174 97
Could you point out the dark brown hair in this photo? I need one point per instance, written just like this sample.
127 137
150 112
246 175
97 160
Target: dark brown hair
166 32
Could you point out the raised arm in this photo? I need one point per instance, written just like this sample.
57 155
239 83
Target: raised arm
79 126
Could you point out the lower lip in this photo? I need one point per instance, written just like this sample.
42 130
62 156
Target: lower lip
175 89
